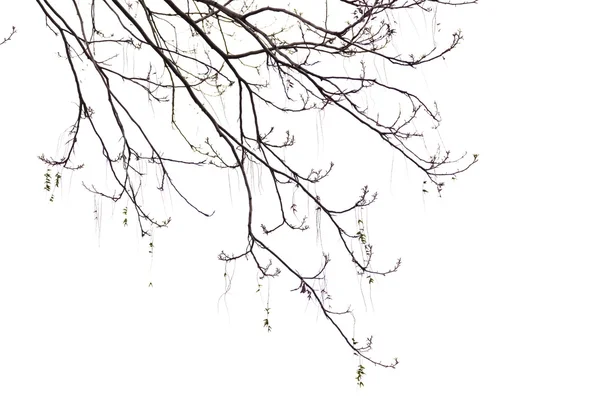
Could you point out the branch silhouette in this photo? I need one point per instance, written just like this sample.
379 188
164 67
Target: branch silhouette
269 61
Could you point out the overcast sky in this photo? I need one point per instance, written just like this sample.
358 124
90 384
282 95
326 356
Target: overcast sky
497 296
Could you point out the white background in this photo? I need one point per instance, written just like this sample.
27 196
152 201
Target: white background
497 296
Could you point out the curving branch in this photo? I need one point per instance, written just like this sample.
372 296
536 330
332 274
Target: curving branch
266 61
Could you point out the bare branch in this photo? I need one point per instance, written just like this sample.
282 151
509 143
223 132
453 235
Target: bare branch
262 62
